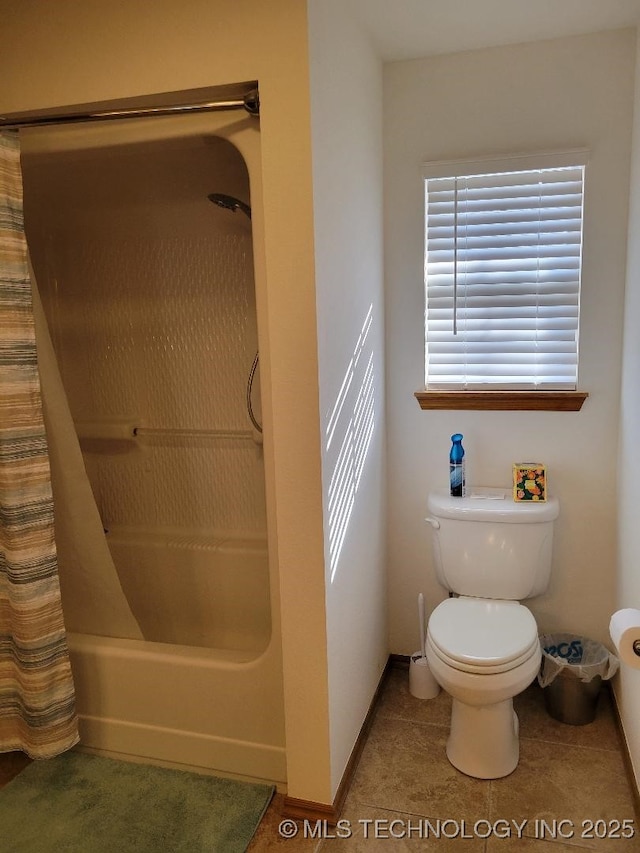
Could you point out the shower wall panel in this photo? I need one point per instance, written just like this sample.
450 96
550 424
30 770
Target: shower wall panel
159 334
149 293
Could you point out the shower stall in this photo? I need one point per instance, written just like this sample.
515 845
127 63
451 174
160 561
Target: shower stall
149 293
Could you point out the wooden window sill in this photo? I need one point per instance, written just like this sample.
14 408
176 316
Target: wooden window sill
542 401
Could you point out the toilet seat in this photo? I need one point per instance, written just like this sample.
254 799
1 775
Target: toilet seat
482 636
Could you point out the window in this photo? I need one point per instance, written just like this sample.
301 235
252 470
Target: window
503 247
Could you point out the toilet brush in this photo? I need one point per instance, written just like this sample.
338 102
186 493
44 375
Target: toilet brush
422 684
421 623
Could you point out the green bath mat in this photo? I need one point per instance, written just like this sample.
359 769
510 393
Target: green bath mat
79 803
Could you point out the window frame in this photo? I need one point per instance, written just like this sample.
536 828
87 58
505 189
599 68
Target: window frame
511 399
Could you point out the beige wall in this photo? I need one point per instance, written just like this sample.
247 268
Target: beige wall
554 95
71 53
627 683
346 100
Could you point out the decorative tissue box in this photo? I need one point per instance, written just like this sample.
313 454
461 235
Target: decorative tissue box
529 481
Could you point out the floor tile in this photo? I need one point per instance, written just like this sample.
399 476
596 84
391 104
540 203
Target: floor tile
397 702
558 782
529 845
268 837
369 830
404 768
536 723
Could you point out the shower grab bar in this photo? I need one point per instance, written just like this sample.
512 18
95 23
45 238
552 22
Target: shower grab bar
127 431
141 432
118 429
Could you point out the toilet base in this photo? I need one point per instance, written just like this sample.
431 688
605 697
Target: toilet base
483 741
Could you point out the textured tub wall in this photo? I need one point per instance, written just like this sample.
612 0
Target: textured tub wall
150 295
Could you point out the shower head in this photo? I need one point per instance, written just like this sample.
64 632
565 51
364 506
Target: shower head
230 203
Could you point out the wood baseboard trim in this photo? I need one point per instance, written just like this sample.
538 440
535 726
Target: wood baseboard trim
310 810
307 809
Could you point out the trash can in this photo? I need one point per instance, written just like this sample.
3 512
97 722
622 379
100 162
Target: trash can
571 675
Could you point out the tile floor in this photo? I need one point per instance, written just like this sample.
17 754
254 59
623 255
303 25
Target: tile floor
405 796
566 774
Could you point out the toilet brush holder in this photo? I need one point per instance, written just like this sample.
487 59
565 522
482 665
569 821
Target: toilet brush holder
422 684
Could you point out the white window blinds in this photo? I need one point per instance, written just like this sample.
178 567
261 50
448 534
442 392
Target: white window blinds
502 274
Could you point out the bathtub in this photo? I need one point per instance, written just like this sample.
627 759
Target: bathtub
181 695
180 705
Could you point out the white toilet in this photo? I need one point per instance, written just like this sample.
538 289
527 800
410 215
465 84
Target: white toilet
483 647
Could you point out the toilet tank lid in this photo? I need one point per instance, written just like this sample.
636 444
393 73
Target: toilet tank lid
488 504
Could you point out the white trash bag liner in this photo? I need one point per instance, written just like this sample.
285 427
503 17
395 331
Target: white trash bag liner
584 658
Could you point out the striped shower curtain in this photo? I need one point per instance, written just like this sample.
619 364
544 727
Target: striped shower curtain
37 705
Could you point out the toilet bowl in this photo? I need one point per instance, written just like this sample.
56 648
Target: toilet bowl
483 652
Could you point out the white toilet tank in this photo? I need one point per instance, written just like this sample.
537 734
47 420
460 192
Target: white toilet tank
491 546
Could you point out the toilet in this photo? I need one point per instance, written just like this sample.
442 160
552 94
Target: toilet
482 645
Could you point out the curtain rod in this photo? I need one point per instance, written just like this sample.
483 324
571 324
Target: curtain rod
250 102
